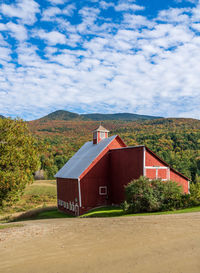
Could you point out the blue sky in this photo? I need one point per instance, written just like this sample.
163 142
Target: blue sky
139 56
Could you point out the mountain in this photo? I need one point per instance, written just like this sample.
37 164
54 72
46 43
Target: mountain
117 116
2 116
60 115
66 115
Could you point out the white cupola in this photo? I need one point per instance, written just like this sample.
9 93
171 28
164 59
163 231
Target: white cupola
99 134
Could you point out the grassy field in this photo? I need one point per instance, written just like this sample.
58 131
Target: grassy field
39 202
117 211
52 213
5 226
40 194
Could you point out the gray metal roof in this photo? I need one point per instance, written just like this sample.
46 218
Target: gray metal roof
83 158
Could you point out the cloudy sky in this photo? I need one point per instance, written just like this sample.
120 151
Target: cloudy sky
139 56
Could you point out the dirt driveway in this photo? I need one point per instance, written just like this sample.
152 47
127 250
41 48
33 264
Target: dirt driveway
150 244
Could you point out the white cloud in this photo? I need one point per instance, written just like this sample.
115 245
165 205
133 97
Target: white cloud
25 10
106 5
196 13
52 38
196 26
17 31
175 15
137 21
128 7
58 2
4 54
137 65
50 13
69 10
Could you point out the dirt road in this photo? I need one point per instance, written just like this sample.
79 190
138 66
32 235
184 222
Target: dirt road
153 244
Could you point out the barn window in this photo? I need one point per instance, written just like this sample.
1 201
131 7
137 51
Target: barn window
102 135
103 190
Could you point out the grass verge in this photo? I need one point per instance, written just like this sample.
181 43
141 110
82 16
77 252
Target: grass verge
53 213
5 226
117 211
40 213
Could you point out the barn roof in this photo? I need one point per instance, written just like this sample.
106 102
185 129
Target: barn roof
101 128
83 158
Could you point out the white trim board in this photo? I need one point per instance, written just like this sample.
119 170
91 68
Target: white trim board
79 193
144 161
156 167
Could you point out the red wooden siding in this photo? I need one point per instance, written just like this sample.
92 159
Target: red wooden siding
180 180
67 191
98 175
151 173
90 183
126 165
151 160
162 173
116 143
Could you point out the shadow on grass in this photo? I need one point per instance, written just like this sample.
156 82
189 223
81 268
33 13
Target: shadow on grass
41 213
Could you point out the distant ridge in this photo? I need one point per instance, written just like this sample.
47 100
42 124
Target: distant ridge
2 116
66 115
60 115
117 116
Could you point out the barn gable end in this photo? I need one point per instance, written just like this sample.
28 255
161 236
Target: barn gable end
126 165
155 167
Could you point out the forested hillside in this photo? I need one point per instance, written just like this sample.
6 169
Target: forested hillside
66 115
177 141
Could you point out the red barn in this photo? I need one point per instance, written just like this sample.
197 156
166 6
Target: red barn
96 175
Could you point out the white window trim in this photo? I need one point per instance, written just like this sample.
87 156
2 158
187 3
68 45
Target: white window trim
156 167
105 192
102 135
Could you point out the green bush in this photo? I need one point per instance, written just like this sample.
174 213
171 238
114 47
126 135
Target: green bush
144 195
195 193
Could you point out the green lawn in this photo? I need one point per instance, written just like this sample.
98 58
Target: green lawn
117 211
52 213
5 226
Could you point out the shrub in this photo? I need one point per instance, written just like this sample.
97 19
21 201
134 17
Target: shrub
144 195
195 193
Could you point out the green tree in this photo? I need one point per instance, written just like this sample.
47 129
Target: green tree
19 158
